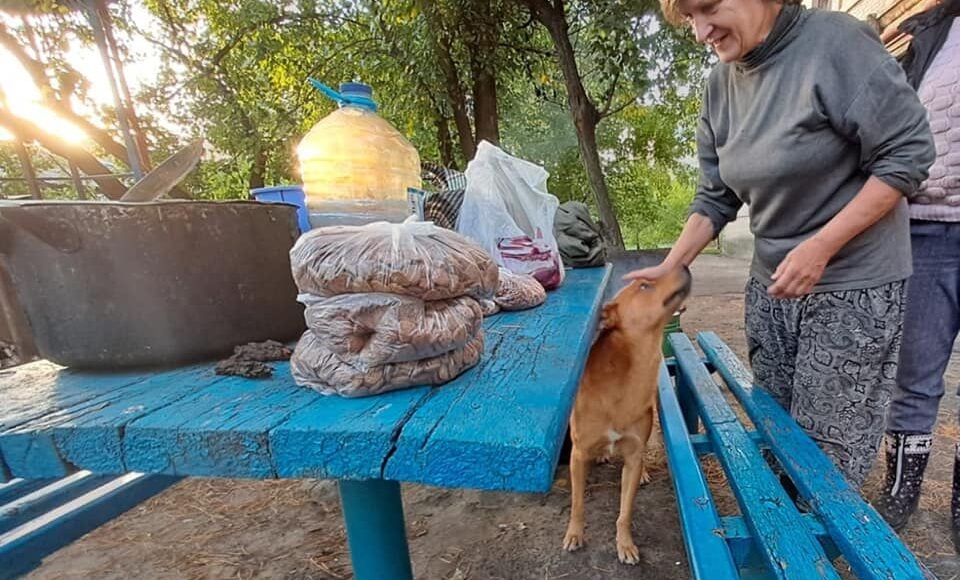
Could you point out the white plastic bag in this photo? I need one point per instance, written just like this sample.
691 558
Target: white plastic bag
507 210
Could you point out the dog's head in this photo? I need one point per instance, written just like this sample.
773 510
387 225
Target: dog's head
647 305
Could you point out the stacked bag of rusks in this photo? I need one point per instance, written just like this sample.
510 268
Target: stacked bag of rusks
390 306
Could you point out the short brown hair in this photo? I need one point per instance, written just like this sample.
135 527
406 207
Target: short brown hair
671 10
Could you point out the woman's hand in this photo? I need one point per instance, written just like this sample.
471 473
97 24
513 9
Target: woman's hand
800 271
803 267
650 273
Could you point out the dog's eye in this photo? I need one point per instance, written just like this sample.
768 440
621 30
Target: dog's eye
644 286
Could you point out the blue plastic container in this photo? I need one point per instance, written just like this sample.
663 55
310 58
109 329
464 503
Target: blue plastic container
292 194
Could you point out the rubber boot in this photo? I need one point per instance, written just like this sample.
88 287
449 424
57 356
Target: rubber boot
907 456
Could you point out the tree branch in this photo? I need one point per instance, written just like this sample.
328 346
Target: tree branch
612 91
621 107
26 132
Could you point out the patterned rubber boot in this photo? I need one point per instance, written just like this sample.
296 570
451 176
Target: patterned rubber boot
907 456
955 503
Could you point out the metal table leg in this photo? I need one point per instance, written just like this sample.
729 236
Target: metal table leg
373 512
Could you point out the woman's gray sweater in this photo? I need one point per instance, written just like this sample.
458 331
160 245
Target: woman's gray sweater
795 129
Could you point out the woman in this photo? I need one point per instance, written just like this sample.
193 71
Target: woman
932 66
809 121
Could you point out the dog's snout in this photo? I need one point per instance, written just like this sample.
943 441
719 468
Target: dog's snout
677 296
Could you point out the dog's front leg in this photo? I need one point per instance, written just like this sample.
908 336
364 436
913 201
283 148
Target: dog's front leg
579 463
627 551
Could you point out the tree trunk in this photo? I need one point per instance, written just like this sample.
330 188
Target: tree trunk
458 104
26 131
584 113
440 39
482 39
59 104
445 142
259 168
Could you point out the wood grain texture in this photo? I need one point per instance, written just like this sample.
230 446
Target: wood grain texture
498 426
703 533
786 547
45 401
871 548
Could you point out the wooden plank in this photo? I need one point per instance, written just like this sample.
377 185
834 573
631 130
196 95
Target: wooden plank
15 487
193 423
369 438
502 425
40 388
23 547
871 548
85 432
220 430
703 446
708 555
343 438
36 502
786 546
743 547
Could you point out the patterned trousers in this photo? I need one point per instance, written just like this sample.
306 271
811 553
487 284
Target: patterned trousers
830 359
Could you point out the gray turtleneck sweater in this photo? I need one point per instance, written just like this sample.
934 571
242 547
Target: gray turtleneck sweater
795 129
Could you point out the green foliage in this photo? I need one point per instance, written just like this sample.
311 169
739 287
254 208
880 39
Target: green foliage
235 72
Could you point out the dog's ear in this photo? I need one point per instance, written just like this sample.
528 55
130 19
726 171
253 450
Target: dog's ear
610 316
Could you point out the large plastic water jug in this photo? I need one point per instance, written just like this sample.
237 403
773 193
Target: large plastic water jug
356 167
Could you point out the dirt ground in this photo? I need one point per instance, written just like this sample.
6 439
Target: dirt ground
205 528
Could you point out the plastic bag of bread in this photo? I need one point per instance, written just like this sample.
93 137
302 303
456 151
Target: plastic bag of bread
519 291
489 307
415 259
376 329
314 365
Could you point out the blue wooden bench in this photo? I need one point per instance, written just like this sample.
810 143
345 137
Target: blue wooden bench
499 426
40 516
772 537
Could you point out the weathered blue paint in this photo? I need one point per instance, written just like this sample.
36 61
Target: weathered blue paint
220 430
707 553
86 434
688 404
17 486
343 438
499 426
786 547
744 548
42 388
28 505
4 470
68 512
703 446
502 426
870 547
376 533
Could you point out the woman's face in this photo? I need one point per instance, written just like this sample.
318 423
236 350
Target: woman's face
732 28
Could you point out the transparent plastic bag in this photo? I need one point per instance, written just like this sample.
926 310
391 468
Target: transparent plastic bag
519 291
315 366
507 210
489 307
415 259
376 329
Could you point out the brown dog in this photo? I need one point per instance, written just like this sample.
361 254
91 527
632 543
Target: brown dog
613 414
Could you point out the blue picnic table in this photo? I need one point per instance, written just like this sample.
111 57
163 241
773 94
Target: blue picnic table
499 426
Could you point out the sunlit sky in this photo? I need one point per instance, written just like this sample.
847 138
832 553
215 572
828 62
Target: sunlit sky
23 97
